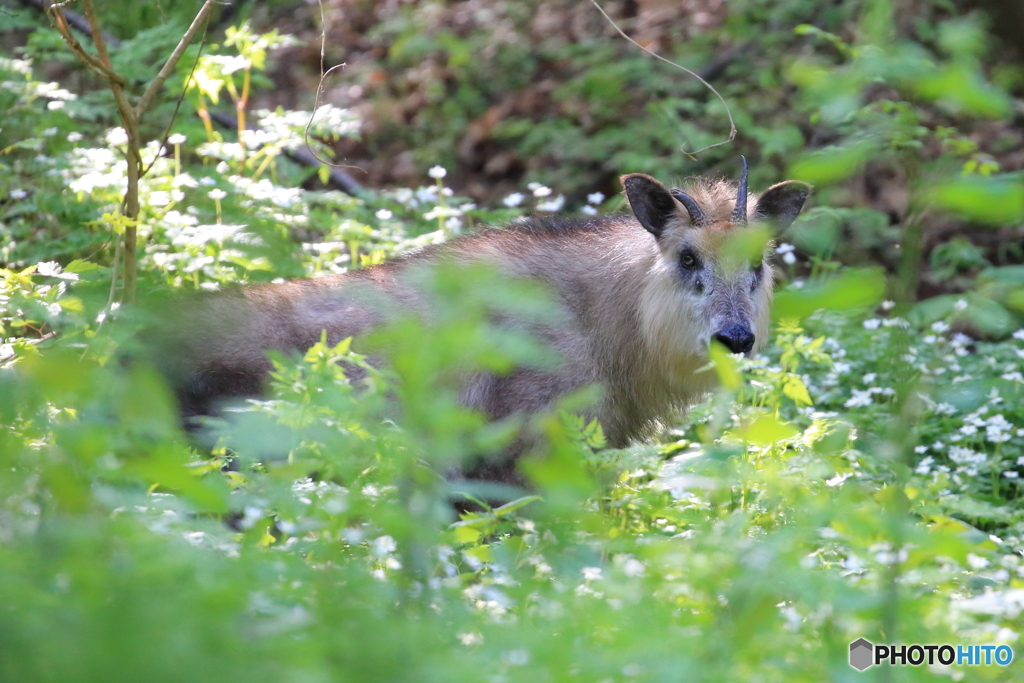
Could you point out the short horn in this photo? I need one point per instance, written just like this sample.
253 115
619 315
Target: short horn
697 215
739 214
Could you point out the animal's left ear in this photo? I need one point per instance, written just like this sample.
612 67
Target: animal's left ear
651 202
781 203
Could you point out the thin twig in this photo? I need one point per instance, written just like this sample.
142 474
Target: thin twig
319 93
113 277
169 65
732 124
177 105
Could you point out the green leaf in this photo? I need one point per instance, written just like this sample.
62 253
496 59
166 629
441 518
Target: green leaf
514 505
768 430
992 200
965 89
80 266
466 534
725 367
854 288
794 388
832 164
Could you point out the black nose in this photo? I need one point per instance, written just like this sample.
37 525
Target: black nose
736 338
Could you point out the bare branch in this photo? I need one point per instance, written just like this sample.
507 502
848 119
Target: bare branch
76 20
97 34
60 23
168 67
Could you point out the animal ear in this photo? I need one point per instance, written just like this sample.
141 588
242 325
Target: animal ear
651 202
781 203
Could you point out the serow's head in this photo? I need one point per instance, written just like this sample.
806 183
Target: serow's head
713 281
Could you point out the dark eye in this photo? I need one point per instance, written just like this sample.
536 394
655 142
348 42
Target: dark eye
689 260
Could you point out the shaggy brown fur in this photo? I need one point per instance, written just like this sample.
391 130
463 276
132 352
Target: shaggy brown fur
635 320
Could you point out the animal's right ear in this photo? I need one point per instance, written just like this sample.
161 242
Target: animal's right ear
651 202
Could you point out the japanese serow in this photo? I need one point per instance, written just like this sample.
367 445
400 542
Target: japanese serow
640 300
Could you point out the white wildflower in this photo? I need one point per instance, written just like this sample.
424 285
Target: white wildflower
542 191
859 399
888 305
940 327
589 210
976 562
384 546
74 136
960 305
1011 474
177 139
634 567
469 638
552 204
184 180
229 64
872 324
442 212
437 172
18 194
595 198
961 339
519 657
116 136
1019 334
48 269
514 199
384 214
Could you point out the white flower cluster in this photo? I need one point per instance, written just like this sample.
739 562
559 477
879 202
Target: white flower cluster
593 201
996 427
265 191
286 129
968 460
786 251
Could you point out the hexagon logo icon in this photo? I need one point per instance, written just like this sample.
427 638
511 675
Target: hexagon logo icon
861 652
